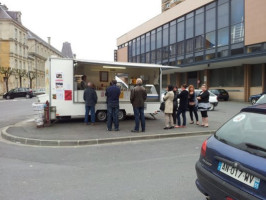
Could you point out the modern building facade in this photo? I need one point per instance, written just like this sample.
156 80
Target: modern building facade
22 49
218 42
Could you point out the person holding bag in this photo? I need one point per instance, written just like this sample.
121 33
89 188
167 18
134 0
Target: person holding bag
204 104
192 104
169 105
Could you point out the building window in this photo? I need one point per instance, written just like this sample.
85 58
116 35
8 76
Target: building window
256 76
223 15
254 48
173 32
138 46
134 47
180 31
180 48
165 35
199 24
148 42
189 26
172 51
222 51
153 39
189 46
237 33
199 42
148 57
210 20
165 53
159 38
237 11
16 34
210 40
223 37
142 44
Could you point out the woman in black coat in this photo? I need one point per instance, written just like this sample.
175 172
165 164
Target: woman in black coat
204 105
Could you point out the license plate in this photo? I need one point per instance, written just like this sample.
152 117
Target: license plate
239 175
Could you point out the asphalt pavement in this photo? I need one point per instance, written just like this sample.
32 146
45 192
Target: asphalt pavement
150 170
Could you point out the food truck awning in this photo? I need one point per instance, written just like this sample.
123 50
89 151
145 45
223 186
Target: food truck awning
122 64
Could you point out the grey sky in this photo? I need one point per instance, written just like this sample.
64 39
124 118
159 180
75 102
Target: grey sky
91 26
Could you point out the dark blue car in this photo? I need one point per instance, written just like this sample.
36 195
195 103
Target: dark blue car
232 164
254 98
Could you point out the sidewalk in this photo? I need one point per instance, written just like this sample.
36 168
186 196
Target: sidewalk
75 133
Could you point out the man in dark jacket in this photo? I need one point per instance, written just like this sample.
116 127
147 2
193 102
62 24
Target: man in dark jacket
137 98
90 98
112 94
183 105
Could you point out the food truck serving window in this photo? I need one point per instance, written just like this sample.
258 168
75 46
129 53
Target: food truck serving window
101 76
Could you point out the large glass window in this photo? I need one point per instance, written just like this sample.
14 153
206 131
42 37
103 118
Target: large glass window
142 44
210 20
134 47
199 42
148 42
237 33
130 49
223 15
165 53
148 57
172 50
210 40
180 31
189 26
165 35
180 48
153 40
173 32
199 24
138 46
159 38
223 37
189 46
237 11
159 55
256 77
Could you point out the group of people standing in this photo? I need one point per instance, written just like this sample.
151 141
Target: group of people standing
137 98
188 101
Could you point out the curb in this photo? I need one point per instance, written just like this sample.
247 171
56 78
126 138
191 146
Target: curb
75 143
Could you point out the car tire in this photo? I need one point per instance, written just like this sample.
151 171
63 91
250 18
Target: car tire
253 101
226 99
101 115
121 115
27 96
8 97
212 107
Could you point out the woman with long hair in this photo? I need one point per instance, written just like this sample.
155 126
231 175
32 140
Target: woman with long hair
192 104
204 105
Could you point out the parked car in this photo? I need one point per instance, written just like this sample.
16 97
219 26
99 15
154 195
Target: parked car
261 100
18 92
232 163
222 94
38 91
254 98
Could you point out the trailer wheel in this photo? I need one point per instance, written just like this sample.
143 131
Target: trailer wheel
121 115
101 115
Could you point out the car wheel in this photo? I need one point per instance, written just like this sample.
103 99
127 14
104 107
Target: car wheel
8 97
253 101
226 99
27 96
101 115
121 115
212 107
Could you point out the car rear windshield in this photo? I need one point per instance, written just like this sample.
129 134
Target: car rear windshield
245 131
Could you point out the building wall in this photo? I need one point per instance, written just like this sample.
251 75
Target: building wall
255 26
161 19
122 54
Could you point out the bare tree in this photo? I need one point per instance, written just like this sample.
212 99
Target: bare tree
32 75
7 72
20 73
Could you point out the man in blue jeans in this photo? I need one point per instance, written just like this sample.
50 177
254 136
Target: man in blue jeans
112 94
137 98
90 98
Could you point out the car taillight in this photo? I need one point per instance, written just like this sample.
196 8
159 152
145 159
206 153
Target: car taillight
229 198
204 148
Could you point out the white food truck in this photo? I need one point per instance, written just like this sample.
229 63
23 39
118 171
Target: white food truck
63 78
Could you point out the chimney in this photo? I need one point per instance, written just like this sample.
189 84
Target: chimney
49 40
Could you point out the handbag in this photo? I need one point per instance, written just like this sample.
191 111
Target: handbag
162 106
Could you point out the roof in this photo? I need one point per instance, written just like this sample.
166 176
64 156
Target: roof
33 36
67 50
4 14
260 108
